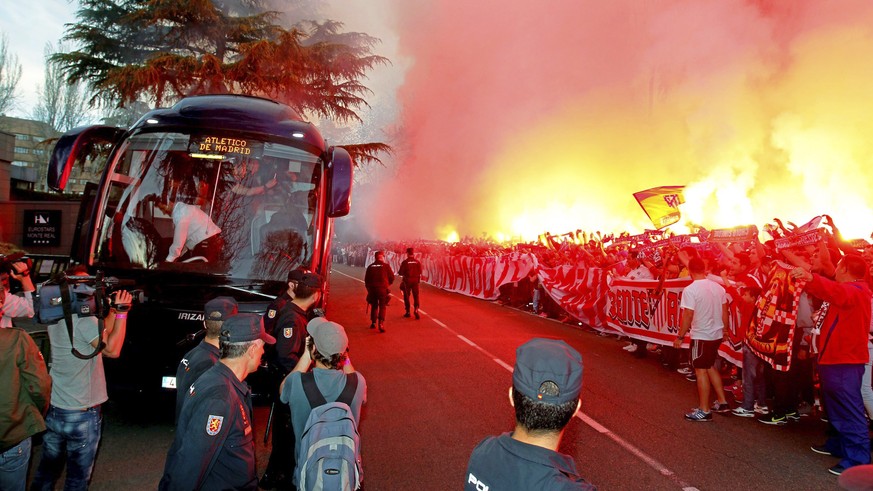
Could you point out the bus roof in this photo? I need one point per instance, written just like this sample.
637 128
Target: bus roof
235 113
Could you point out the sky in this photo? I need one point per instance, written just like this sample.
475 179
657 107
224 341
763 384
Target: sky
27 30
509 118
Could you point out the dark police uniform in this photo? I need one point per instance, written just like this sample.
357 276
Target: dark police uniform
290 334
410 270
503 463
214 446
273 310
195 363
377 279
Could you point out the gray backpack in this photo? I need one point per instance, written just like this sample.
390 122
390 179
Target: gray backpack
329 454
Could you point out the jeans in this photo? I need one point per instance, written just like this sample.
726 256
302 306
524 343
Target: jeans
841 396
754 385
536 300
76 433
13 466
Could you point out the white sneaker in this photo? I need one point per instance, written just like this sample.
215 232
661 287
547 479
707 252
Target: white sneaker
631 348
761 409
684 371
743 413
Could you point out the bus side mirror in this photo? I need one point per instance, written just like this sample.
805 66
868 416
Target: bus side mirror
77 144
339 183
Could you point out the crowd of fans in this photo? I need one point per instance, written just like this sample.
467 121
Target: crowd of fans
736 258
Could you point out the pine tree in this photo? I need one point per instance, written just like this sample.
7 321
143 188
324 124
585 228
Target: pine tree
163 50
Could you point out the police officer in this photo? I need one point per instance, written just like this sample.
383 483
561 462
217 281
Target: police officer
546 382
410 270
203 356
214 446
377 279
290 333
279 303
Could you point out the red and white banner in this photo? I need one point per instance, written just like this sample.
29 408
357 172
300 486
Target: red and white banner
642 310
645 309
479 277
579 291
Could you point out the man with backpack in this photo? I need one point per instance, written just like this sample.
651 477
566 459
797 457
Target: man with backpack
325 400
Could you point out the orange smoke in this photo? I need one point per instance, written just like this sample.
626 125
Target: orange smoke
525 117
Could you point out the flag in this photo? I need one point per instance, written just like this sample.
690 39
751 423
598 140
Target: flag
661 204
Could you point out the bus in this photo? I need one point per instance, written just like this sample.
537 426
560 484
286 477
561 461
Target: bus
247 175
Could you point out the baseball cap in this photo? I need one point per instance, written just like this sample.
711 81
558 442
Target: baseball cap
220 308
242 328
329 337
548 360
296 274
311 280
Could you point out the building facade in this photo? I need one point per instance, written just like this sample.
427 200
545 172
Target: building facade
25 149
34 141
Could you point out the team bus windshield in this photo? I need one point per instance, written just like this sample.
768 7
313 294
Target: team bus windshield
215 203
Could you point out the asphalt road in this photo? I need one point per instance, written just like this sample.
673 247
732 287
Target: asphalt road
437 386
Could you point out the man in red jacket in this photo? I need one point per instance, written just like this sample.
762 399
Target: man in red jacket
842 353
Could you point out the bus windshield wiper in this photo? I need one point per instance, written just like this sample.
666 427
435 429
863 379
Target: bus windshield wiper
246 289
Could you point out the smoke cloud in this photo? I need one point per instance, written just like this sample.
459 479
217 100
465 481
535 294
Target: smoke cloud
517 117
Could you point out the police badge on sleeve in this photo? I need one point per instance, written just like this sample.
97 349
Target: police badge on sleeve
271 313
213 424
287 332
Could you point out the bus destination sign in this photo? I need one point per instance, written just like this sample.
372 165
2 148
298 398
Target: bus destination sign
220 147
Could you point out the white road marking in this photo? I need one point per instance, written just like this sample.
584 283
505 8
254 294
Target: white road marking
503 364
648 460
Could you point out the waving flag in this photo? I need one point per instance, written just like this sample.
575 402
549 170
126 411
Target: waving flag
661 204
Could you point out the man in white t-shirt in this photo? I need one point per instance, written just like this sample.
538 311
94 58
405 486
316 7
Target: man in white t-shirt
194 233
705 313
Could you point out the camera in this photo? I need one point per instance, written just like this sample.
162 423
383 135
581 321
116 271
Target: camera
85 296
8 261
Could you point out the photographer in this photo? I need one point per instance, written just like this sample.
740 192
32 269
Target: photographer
13 305
75 418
